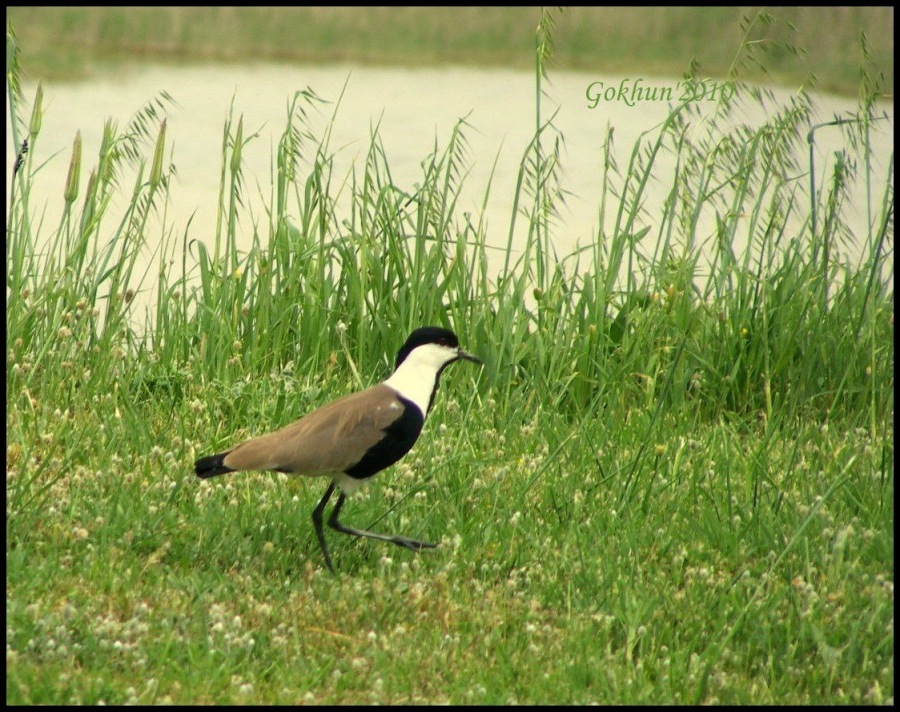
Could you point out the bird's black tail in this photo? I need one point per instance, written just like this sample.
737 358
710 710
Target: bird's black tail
211 466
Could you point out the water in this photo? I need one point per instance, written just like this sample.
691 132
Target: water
413 109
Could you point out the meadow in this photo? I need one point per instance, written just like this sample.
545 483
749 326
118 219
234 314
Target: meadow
824 41
672 482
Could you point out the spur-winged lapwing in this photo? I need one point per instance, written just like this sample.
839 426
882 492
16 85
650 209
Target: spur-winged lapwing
356 436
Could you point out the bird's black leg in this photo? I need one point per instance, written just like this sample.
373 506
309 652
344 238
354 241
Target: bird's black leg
333 522
317 523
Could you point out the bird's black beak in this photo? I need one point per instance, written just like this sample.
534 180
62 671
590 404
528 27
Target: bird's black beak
465 355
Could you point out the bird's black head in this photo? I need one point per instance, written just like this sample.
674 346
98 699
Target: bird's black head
426 335
422 359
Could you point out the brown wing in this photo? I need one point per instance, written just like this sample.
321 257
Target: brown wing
329 439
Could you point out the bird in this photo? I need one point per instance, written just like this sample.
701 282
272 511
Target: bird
355 437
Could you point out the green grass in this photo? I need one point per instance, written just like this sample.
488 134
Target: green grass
652 41
663 487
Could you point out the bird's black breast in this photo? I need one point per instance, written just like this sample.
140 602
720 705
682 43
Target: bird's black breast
399 437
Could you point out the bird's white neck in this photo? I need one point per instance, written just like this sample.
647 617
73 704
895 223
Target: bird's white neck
416 378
